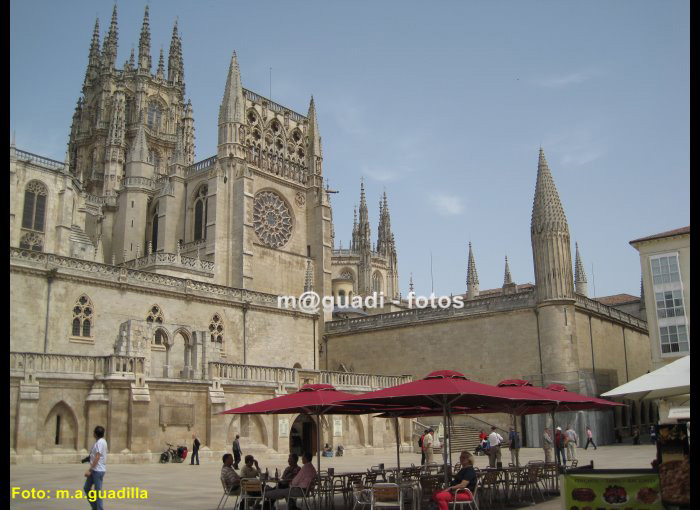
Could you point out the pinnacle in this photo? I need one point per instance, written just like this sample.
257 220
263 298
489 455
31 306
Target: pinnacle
580 275
229 110
472 276
507 278
139 151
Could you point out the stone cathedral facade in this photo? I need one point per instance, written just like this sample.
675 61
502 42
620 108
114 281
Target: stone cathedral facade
144 284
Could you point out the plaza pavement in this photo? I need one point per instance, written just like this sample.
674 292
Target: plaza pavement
181 486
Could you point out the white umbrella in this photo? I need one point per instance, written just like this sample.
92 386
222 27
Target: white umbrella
668 381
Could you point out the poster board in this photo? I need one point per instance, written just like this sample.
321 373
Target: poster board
613 489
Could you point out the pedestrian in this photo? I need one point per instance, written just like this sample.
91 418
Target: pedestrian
560 446
589 434
428 446
571 442
495 440
547 446
96 473
635 435
236 452
420 445
195 449
652 434
514 446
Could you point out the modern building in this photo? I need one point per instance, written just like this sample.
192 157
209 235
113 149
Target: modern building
665 261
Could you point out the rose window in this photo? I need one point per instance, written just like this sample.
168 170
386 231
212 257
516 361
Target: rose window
272 220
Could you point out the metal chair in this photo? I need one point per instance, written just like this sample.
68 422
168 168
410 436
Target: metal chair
470 503
360 495
489 481
528 480
227 492
253 490
325 492
429 484
386 495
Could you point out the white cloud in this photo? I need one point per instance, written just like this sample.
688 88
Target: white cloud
564 80
446 205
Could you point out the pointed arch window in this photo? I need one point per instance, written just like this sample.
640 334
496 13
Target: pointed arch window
216 330
155 316
154 229
83 318
154 115
377 282
33 216
201 206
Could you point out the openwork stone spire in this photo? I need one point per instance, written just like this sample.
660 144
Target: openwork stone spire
472 277
231 109
94 55
580 280
549 231
160 73
145 44
175 62
507 278
139 151
309 278
109 47
363 226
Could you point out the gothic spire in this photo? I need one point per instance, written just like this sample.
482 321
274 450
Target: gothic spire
385 236
547 211
507 278
410 283
308 278
580 280
109 47
549 231
175 63
363 226
231 109
94 55
314 132
145 44
472 277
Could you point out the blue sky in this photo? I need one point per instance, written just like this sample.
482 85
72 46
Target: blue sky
443 104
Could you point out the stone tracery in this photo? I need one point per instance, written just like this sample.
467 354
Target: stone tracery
272 220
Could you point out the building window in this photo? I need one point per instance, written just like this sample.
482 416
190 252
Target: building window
83 317
216 331
201 203
154 230
674 339
155 316
154 116
377 283
665 269
34 206
669 304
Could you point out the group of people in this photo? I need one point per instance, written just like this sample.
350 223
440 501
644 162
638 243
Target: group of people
491 444
294 481
564 442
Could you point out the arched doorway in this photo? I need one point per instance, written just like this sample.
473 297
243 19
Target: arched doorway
302 435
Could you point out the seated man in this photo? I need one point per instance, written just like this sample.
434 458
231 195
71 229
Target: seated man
290 471
231 480
327 451
250 469
466 478
302 480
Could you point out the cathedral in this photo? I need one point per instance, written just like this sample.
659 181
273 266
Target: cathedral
145 284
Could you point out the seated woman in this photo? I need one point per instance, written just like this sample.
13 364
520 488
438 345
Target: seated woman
466 478
327 451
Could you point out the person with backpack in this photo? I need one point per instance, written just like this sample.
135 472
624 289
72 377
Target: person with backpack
560 446
428 446
420 445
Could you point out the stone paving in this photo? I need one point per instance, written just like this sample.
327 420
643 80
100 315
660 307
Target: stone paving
181 486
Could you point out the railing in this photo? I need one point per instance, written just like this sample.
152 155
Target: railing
252 373
95 366
492 304
39 160
171 259
614 313
200 166
257 98
144 182
365 382
276 165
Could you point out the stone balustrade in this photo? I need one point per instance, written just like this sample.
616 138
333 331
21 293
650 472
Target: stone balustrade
171 261
75 366
271 105
415 315
362 382
609 311
234 373
200 166
39 160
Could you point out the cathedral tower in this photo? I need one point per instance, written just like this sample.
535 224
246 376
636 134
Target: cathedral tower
554 282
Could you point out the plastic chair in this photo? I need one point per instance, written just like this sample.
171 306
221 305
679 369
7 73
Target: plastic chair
386 495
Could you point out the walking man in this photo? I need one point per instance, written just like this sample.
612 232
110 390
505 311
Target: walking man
195 449
420 445
95 475
589 434
495 440
560 446
572 442
514 446
547 446
236 452
428 446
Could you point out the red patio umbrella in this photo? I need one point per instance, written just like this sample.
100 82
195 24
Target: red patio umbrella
312 399
441 391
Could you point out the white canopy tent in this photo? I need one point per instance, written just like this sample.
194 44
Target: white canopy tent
672 380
